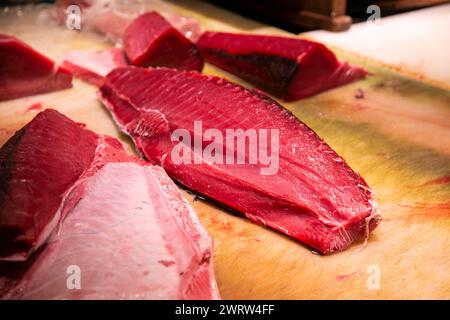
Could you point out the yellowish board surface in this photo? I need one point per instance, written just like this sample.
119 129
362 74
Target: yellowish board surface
397 137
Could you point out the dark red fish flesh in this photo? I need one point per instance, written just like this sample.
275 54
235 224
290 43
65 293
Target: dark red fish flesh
288 68
25 72
152 41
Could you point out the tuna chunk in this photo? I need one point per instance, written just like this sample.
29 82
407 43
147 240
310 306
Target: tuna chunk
311 194
93 66
111 17
288 68
37 167
25 72
152 41
100 223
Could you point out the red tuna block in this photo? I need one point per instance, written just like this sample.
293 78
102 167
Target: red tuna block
152 41
25 72
288 68
37 167
93 66
314 196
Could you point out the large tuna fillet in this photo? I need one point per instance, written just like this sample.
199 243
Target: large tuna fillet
288 68
151 41
123 231
306 190
25 72
93 66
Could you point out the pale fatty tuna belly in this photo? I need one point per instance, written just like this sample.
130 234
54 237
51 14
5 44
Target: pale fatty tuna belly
93 66
131 236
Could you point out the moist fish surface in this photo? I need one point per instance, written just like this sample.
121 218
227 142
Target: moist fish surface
313 195
288 68
93 66
131 236
25 72
123 226
152 41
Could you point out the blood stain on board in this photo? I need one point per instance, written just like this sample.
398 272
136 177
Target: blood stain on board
35 107
418 210
437 181
359 94
345 276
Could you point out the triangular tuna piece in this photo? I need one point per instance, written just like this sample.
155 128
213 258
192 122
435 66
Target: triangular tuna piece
25 72
152 41
306 191
288 68
93 66
37 166
122 230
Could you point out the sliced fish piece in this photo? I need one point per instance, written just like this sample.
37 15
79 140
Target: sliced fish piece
306 190
288 68
91 222
25 72
38 165
152 41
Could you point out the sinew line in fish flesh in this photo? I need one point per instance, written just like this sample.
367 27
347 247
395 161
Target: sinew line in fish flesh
25 72
314 197
152 41
93 66
289 68
123 225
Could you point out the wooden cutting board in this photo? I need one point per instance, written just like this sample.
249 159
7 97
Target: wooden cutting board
397 137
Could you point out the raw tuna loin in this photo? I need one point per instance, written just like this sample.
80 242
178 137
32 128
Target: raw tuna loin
123 226
288 68
314 196
37 167
25 72
151 41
